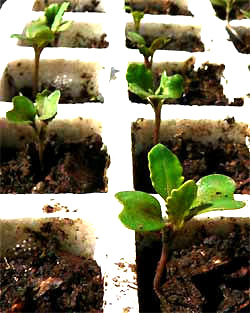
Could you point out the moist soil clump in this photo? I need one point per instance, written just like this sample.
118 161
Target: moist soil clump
198 160
37 276
68 168
164 7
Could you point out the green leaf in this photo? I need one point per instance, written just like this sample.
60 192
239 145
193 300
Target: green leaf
141 211
140 78
170 87
136 38
222 3
39 34
59 15
18 36
46 104
215 192
179 203
51 12
246 13
138 90
24 110
165 170
158 43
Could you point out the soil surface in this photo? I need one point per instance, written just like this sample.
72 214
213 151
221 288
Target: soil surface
162 7
198 160
68 168
37 276
201 87
209 276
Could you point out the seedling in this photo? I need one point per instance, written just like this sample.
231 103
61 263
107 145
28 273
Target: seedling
147 52
42 32
184 200
44 110
137 17
140 82
139 41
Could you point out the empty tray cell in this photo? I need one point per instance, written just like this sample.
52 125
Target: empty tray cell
77 80
46 260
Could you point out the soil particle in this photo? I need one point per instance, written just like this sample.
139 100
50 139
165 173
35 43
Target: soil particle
69 168
36 276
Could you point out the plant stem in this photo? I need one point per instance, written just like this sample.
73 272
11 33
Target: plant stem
156 104
167 238
148 62
38 51
41 136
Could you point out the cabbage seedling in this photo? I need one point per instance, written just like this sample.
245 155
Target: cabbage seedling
184 200
139 41
26 112
147 52
137 17
42 32
140 82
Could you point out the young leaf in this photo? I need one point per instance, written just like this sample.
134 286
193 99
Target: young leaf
139 75
179 203
141 211
158 43
46 104
215 192
165 170
58 16
40 35
170 87
136 38
24 110
18 36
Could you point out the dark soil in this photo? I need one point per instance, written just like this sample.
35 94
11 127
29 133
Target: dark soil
235 12
201 87
160 7
211 275
198 160
69 168
36 276
185 41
